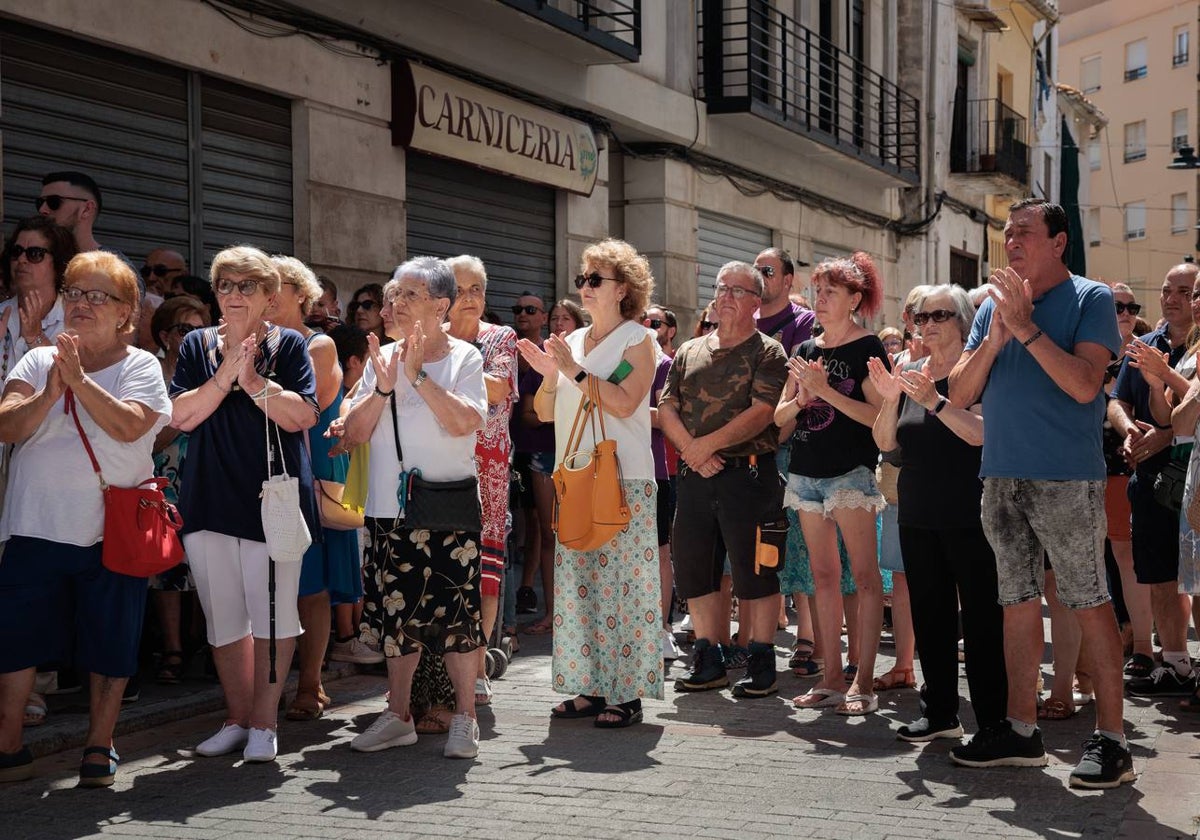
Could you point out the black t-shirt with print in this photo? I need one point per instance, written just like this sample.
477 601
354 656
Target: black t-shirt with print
826 442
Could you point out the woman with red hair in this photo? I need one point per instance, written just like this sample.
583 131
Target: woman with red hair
831 403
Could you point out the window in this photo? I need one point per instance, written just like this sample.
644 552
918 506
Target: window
1179 130
1093 226
1089 74
1135 220
1179 213
1135 60
1093 153
1135 141
1180 40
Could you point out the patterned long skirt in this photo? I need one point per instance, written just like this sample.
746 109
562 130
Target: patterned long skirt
607 610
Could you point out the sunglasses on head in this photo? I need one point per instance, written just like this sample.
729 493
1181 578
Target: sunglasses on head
158 270
1131 308
593 280
246 287
34 253
652 323
54 201
708 325
528 310
938 316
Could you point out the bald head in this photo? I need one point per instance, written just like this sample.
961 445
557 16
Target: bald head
162 266
1176 295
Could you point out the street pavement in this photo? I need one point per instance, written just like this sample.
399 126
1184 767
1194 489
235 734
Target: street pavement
703 765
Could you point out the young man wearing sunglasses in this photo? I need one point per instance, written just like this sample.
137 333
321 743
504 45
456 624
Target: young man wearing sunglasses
72 199
779 318
665 327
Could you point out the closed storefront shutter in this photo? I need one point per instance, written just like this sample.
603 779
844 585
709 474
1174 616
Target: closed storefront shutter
722 239
509 224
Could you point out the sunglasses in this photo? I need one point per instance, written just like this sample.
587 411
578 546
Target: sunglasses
34 253
528 310
652 323
708 325
96 297
159 270
766 270
366 305
54 201
182 329
1131 308
593 280
938 316
245 287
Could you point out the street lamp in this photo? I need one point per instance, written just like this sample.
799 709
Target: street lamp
1186 159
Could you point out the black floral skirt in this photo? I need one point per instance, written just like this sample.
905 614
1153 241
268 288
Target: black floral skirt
420 590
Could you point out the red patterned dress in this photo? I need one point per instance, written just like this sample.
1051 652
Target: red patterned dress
493 445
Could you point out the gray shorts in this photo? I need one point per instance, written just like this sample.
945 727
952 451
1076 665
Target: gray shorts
1024 519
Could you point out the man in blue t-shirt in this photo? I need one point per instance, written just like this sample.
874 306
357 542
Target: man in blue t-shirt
1036 355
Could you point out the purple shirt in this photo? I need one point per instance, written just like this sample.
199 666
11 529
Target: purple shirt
658 445
525 439
790 327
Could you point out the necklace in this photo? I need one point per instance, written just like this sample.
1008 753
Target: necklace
597 339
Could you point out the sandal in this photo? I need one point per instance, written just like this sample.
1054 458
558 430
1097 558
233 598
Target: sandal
626 714
867 703
307 705
1139 666
483 691
170 667
539 628
570 709
895 678
849 673
809 668
802 652
432 722
35 710
98 775
1055 709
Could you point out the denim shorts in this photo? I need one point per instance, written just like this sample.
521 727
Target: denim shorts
855 489
1025 519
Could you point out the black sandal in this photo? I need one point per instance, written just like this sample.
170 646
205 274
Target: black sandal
627 715
569 711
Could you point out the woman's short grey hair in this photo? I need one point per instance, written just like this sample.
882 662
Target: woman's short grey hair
471 265
1122 287
746 270
979 294
437 275
964 310
913 300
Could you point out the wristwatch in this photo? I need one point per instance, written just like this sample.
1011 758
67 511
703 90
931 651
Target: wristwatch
420 380
941 403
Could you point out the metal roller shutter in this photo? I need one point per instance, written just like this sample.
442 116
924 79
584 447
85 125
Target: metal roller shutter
722 239
509 224
68 104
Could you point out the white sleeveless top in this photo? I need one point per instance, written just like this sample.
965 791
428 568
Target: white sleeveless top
632 433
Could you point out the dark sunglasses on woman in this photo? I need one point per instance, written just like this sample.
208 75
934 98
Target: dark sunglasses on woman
1131 308
182 329
528 310
366 305
34 253
593 280
938 316
708 325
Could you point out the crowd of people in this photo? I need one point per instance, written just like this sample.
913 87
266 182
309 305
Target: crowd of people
1002 448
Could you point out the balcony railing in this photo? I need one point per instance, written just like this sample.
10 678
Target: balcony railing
1134 154
1179 59
615 25
1178 142
755 59
990 138
1135 73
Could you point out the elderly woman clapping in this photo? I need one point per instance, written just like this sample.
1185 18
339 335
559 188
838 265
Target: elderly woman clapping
420 403
54 519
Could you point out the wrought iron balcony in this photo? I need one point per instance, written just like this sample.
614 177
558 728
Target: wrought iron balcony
757 60
614 25
989 138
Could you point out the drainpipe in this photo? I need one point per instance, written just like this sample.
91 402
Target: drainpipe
931 146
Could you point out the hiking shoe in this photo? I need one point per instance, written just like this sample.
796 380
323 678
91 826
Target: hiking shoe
1164 681
736 658
1000 746
922 730
1105 764
262 745
388 730
464 738
354 651
707 671
760 672
526 600
671 649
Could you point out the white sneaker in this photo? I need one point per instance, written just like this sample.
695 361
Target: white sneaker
670 647
354 651
230 739
685 626
464 738
262 745
388 730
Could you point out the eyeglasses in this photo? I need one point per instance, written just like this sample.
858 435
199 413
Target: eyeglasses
409 296
1131 308
367 305
737 291
54 201
182 329
245 287
95 297
593 280
34 253
708 325
938 316
528 310
766 270
158 270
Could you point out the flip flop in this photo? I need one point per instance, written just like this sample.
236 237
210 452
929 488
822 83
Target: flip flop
431 722
307 705
818 698
1055 709
869 703
538 628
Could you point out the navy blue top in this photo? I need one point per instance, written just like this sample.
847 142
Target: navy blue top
1131 388
227 457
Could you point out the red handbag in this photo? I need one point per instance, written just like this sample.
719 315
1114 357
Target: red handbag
141 528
